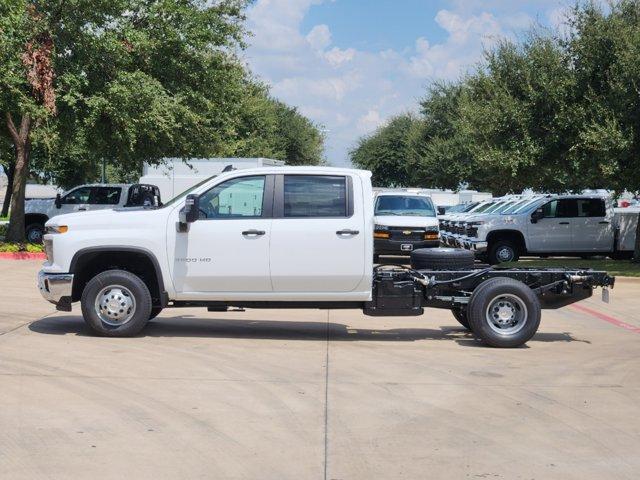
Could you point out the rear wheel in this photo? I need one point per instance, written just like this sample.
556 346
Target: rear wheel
461 316
503 312
116 303
503 251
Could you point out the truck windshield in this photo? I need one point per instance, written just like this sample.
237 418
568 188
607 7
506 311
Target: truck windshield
187 191
404 205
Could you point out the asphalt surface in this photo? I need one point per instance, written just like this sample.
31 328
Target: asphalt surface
304 394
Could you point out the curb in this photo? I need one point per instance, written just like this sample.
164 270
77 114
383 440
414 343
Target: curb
22 256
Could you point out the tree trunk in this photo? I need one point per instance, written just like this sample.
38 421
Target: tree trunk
8 170
15 232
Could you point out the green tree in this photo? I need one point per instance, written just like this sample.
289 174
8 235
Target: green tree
389 152
127 80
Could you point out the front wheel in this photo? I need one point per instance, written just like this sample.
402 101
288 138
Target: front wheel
116 303
504 312
34 233
503 251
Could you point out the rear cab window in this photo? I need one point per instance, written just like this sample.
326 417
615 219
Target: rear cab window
316 196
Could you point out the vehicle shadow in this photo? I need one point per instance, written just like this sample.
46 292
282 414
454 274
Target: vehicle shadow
189 326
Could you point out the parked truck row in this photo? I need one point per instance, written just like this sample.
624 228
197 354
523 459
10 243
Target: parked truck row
503 229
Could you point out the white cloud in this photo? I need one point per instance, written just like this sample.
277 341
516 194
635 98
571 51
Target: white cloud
369 121
319 37
351 91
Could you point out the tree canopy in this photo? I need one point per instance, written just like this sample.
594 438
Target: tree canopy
131 81
554 112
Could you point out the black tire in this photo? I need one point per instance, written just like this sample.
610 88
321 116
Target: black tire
503 251
515 296
442 259
155 311
461 316
34 233
123 281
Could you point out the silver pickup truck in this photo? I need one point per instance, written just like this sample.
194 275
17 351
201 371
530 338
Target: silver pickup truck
98 196
567 225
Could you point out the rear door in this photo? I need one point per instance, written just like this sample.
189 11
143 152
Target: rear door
593 229
553 233
317 234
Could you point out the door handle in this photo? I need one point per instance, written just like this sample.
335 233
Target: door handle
347 232
604 223
81 209
563 223
257 233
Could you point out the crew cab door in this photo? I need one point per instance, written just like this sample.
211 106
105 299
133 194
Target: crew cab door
317 235
102 198
227 248
553 232
76 200
593 229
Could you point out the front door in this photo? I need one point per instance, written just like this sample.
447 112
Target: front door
318 236
553 233
227 248
75 201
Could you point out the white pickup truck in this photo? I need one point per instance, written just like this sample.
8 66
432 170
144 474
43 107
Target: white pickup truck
281 237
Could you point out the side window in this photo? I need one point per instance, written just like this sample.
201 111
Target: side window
591 207
309 196
550 209
563 208
105 195
236 198
77 196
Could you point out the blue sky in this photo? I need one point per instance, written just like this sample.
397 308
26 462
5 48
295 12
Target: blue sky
349 65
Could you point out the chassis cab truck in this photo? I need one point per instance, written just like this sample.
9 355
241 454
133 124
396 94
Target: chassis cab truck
280 237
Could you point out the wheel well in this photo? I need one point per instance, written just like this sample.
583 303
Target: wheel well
30 218
512 235
87 265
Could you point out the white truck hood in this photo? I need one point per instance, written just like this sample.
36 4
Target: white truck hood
405 221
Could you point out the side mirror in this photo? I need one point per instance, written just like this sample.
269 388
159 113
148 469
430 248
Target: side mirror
441 211
191 208
58 201
538 214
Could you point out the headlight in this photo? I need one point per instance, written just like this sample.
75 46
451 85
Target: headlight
57 229
475 224
380 227
431 229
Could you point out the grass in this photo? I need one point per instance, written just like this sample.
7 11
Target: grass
622 268
21 247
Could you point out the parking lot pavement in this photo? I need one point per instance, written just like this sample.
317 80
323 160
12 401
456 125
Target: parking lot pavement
306 394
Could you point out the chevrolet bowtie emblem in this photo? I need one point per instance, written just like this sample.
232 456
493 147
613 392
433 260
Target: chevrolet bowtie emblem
407 232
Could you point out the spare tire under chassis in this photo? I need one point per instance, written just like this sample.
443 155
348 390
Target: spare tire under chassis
442 259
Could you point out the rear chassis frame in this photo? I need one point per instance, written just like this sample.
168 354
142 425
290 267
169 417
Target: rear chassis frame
400 291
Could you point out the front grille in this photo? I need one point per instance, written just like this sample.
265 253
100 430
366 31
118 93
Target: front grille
472 231
398 233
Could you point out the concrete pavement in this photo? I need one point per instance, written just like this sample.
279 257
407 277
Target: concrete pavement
306 394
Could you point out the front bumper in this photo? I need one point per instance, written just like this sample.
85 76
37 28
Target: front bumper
475 246
384 246
56 288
